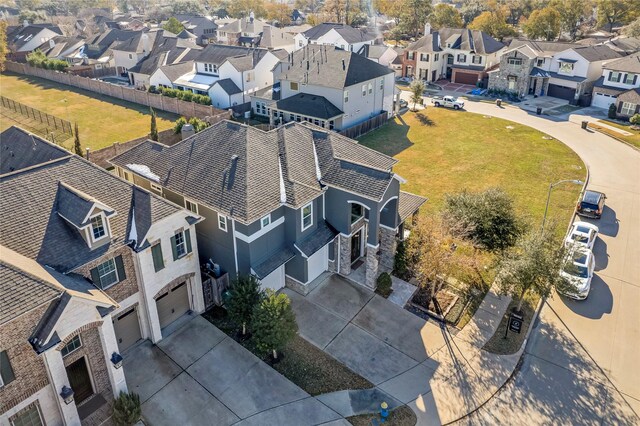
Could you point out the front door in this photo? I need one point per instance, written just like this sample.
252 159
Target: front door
356 243
433 75
79 380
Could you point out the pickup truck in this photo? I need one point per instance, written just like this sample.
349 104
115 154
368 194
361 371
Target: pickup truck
447 101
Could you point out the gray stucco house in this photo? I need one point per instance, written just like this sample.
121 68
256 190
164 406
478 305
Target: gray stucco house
285 205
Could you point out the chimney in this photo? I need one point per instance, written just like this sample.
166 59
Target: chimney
87 157
427 28
145 44
25 23
251 16
51 43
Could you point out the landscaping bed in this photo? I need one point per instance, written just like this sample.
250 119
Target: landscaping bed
401 416
501 346
304 364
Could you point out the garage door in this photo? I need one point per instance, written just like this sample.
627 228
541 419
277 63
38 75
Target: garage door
465 78
172 305
317 263
601 100
561 92
127 328
274 280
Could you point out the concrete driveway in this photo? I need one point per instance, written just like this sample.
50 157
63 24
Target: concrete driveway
199 376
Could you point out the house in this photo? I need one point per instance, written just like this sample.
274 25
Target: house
128 53
165 75
98 50
203 28
242 32
70 49
618 76
628 103
460 55
298 17
284 205
277 38
380 53
342 36
327 86
90 264
27 37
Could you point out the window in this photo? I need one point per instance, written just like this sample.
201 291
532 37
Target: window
424 57
212 68
181 244
222 222
512 82
249 76
307 216
191 206
30 417
381 83
73 345
357 211
346 96
370 88
540 62
332 125
566 67
364 90
411 55
130 56
614 76
97 227
156 187
462 58
475 59
628 108
630 78
514 61
293 85
436 56
108 273
265 221
158 260
299 43
6 372
127 176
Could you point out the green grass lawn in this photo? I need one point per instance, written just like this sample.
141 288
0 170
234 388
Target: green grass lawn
102 120
633 139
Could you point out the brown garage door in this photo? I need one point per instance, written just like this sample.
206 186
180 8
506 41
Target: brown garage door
561 92
172 305
465 78
127 328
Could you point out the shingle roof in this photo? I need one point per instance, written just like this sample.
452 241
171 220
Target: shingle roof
543 47
348 33
597 53
236 169
270 264
20 149
173 72
459 38
329 67
319 238
75 206
228 86
22 35
247 61
29 201
629 63
309 105
218 53
408 204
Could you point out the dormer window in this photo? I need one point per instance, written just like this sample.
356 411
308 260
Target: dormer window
98 228
211 68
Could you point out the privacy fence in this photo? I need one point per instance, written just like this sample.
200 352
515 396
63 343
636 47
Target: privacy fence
360 129
159 102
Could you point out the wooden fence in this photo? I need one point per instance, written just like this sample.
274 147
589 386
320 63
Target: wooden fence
158 102
360 129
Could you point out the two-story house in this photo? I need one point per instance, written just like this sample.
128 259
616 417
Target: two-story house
23 39
285 205
618 76
327 86
202 27
91 264
242 32
128 53
460 55
341 36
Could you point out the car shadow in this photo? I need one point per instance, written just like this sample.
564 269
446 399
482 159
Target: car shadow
599 302
600 254
608 223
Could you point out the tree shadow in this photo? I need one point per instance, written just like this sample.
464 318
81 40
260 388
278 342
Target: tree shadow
598 303
390 139
424 120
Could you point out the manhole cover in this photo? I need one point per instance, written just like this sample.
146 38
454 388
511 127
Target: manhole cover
510 127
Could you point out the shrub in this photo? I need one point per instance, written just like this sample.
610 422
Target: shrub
202 99
274 323
400 268
170 93
177 128
185 95
198 125
383 286
613 112
244 296
152 89
635 120
126 409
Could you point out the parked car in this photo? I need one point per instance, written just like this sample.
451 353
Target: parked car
577 271
591 205
581 234
447 101
403 103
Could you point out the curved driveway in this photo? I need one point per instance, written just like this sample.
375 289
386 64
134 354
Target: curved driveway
582 363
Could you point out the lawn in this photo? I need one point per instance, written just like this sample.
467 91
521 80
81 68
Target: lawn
102 120
633 139
500 345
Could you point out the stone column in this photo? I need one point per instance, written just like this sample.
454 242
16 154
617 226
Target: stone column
345 255
388 246
371 263
109 346
58 378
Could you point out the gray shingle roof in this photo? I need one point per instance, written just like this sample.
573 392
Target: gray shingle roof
173 72
20 149
597 53
247 61
22 35
270 264
218 53
309 105
228 86
75 206
408 204
629 63
459 38
329 67
235 169
319 238
348 33
543 47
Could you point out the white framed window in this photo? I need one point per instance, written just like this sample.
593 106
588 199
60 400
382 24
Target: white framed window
514 61
381 83
566 67
462 58
346 96
98 228
156 187
629 78
181 244
210 68
475 59
249 76
191 205
222 222
436 56
30 417
540 62
265 221
370 88
307 216
364 90
73 345
615 76
108 273
628 108
293 85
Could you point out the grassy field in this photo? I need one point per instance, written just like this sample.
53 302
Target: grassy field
633 139
443 151
101 120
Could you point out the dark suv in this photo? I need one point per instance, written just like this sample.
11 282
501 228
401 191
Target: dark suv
591 205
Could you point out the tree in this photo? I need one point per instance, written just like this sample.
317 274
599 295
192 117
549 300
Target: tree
280 13
274 323
417 90
611 12
532 265
471 9
543 24
414 15
242 8
390 8
126 409
153 133
244 295
77 147
173 25
186 7
572 14
3 44
335 9
444 15
633 29
635 120
487 218
612 113
493 23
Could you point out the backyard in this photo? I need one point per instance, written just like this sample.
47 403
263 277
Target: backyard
101 120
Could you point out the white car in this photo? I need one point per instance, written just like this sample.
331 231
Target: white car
578 271
581 234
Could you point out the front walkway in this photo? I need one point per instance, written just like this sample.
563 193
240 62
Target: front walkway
441 376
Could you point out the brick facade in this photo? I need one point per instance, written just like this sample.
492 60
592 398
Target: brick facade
28 367
631 96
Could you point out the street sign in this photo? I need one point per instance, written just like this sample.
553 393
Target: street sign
515 323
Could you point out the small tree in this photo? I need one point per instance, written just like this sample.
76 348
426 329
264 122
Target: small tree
77 147
400 268
173 25
613 112
244 295
417 90
274 323
383 284
153 133
635 120
126 409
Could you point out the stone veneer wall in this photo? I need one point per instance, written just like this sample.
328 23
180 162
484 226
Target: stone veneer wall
499 80
345 255
371 271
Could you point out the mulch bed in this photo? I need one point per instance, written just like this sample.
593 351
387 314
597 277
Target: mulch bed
401 416
438 305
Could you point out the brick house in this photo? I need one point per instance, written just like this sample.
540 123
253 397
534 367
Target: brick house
628 103
618 76
91 264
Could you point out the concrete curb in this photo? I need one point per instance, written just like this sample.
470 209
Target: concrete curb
613 137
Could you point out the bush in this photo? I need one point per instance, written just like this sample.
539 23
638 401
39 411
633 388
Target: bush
635 120
152 89
383 286
126 409
202 99
613 112
198 125
244 296
177 128
400 268
170 93
185 95
274 323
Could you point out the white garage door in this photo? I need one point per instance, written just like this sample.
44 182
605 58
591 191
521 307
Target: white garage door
127 328
172 305
601 100
274 280
317 263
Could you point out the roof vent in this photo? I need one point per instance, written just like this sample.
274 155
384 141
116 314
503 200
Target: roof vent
234 157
